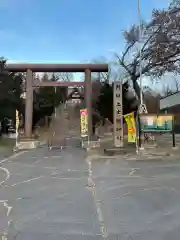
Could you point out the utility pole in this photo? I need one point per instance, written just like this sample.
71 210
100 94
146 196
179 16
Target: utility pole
140 61
55 110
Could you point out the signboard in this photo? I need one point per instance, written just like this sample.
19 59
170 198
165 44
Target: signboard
131 127
118 114
154 123
142 109
84 122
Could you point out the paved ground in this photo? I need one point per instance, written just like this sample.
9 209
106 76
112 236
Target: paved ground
54 195
49 196
139 200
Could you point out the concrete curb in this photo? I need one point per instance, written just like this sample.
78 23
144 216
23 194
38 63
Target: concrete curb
28 145
135 157
95 157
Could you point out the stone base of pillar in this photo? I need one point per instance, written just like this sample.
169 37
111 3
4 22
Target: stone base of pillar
26 144
95 143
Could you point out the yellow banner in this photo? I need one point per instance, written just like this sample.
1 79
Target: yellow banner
84 122
17 119
131 127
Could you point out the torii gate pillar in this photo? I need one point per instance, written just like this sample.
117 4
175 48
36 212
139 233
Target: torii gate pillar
29 104
88 99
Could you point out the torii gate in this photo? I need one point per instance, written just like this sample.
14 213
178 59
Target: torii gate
30 84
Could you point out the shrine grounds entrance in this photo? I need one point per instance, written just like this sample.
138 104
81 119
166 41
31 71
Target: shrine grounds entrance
64 129
29 69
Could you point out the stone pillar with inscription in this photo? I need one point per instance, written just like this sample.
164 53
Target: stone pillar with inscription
118 115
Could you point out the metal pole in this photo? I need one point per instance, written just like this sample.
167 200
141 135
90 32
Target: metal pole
55 106
142 107
173 134
140 56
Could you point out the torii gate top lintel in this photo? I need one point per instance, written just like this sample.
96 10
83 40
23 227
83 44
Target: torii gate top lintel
23 67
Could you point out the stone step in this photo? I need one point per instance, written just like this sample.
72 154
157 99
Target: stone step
119 151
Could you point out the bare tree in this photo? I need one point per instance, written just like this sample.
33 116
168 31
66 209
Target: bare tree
96 89
160 46
102 76
172 87
166 90
64 76
176 83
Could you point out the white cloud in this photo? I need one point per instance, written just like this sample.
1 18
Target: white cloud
13 61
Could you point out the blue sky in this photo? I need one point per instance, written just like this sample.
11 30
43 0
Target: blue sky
67 30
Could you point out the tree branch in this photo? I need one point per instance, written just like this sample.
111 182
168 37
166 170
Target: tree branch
123 64
127 50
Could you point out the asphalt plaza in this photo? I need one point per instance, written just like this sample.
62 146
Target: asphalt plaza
64 195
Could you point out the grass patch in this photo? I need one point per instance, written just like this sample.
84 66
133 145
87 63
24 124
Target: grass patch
7 143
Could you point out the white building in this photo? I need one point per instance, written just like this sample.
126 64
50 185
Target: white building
171 105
